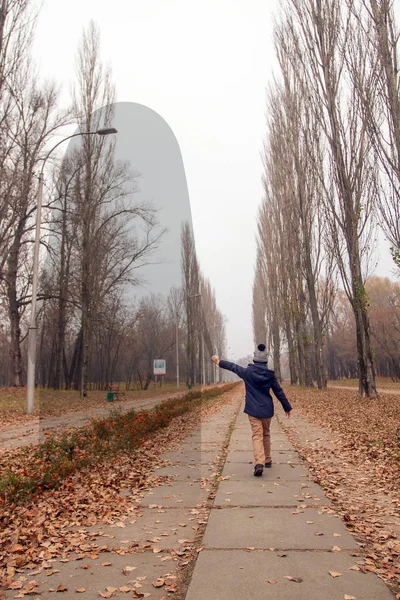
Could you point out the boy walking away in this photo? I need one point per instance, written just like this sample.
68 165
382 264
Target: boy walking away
259 407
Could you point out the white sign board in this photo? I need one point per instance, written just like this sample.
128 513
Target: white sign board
160 367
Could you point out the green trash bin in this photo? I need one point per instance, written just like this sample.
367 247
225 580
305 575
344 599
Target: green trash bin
110 396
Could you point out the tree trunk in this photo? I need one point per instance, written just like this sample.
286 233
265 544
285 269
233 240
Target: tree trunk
277 350
294 377
366 369
61 306
13 308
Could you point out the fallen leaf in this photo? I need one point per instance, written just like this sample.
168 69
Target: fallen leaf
15 585
337 535
159 582
318 533
106 564
80 590
347 597
336 549
125 589
272 581
127 570
295 579
335 574
61 588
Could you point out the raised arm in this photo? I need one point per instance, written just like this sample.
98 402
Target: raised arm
230 366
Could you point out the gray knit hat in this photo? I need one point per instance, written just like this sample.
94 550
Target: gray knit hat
260 354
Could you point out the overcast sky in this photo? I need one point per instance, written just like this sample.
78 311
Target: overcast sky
204 68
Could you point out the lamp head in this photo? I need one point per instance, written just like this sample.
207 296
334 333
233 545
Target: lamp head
107 131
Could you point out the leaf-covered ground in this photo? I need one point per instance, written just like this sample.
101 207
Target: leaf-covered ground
381 383
353 449
48 528
55 403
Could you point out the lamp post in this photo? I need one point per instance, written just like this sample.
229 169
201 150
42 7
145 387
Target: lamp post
30 393
177 350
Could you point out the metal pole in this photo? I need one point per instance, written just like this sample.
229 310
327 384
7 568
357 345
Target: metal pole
177 351
32 326
202 355
30 392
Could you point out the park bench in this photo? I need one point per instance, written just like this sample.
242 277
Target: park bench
113 392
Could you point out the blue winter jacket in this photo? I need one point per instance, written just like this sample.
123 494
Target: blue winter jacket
259 380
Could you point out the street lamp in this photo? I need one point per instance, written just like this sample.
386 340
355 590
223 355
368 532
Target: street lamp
177 350
30 393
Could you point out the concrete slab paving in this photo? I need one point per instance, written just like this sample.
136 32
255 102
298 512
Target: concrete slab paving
188 471
202 442
244 429
237 574
191 457
97 578
284 472
278 456
276 444
170 528
196 446
280 528
178 492
259 491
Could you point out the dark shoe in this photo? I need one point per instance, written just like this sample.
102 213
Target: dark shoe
258 470
268 465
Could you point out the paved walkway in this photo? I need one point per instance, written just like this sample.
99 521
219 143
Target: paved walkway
276 527
251 534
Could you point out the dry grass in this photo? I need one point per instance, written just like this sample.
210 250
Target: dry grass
54 403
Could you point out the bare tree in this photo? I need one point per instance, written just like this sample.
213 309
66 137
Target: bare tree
28 119
190 283
324 37
302 133
109 252
259 304
381 103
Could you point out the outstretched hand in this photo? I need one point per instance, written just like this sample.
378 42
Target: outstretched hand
288 414
215 359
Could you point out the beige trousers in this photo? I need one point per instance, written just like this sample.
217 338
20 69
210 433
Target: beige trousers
261 439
